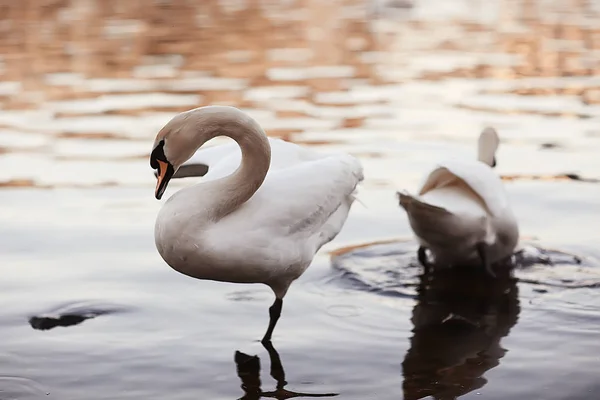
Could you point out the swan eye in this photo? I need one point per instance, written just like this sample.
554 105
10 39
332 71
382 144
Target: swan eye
494 162
158 154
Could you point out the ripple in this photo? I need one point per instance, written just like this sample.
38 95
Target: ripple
105 103
391 268
248 295
550 268
14 387
388 269
344 310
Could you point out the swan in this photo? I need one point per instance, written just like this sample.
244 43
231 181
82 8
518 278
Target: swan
462 214
245 223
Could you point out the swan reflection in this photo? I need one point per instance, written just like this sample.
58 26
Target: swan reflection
459 319
248 369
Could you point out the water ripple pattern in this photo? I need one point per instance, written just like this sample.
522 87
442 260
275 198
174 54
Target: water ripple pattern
391 268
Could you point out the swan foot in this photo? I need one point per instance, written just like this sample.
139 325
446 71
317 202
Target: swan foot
422 257
274 314
485 261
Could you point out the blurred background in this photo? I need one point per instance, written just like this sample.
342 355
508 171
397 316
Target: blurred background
85 85
86 80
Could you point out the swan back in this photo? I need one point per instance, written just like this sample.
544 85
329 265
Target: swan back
479 179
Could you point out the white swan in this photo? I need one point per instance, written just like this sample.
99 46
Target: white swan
244 223
462 213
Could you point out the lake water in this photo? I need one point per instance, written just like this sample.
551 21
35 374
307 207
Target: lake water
398 88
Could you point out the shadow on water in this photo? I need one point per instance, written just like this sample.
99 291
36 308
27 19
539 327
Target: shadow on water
73 313
248 370
459 319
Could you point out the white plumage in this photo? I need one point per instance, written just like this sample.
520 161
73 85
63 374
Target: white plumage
260 213
461 213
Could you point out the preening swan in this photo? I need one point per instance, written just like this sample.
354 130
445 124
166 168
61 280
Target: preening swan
462 213
245 223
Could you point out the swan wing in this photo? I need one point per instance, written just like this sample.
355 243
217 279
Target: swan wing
306 203
480 177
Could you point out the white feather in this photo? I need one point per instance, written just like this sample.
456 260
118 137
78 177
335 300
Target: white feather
271 238
460 204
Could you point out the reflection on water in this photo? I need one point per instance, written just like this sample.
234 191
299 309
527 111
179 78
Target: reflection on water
248 370
459 319
460 315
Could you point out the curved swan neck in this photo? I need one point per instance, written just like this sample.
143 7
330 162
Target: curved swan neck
237 188
187 132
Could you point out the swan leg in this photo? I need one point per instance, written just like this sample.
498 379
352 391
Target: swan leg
274 314
422 256
485 261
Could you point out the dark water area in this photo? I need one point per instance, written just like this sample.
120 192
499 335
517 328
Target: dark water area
463 321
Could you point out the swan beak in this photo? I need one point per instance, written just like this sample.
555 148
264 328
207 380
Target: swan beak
165 173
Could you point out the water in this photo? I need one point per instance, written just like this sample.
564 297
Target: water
91 311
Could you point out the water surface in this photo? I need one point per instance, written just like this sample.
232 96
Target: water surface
92 312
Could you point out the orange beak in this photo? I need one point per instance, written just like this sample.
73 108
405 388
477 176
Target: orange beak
165 172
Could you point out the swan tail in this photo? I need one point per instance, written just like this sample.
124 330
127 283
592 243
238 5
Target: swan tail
413 205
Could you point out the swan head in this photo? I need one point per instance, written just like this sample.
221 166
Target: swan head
164 168
175 143
179 139
487 146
